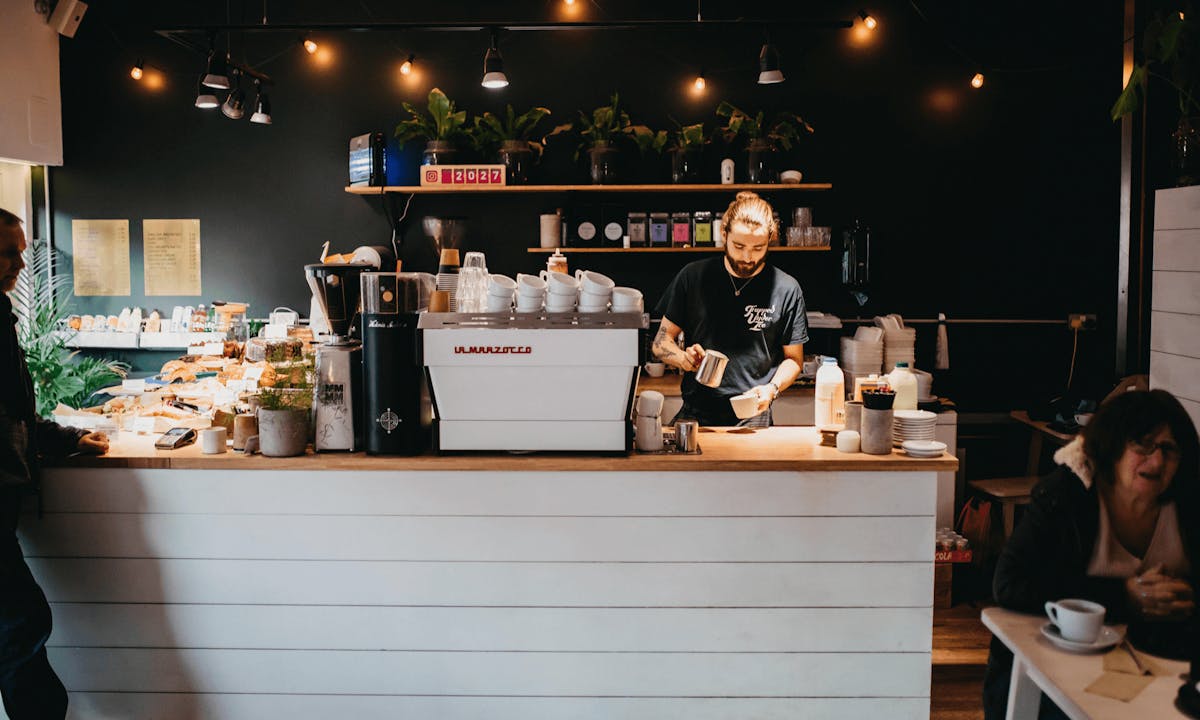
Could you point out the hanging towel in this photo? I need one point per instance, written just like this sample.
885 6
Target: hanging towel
942 354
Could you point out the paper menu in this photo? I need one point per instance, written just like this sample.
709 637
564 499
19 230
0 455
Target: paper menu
171 254
101 257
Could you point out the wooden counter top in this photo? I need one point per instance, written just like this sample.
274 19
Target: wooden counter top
722 449
669 383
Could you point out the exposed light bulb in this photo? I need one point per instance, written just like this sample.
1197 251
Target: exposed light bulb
868 20
136 71
569 2
407 67
699 83
977 81
310 46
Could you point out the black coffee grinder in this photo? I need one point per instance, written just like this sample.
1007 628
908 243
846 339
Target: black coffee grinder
398 413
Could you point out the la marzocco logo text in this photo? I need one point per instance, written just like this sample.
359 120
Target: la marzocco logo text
493 350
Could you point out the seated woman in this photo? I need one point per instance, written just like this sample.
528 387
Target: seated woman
1118 523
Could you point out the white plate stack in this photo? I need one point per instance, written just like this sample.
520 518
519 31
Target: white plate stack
924 449
912 425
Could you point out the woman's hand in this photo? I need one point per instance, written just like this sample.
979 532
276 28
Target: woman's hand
94 443
1156 595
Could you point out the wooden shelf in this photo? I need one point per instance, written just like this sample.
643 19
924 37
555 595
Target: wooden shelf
547 251
466 190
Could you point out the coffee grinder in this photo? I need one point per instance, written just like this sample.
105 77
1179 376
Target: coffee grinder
398 412
338 389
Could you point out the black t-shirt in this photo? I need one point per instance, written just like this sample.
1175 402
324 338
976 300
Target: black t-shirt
751 328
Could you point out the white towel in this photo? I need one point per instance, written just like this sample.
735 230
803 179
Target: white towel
942 353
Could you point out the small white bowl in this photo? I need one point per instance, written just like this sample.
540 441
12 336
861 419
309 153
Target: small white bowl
745 405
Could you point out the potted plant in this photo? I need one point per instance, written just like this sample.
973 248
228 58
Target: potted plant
686 145
1171 53
510 138
600 135
763 138
441 126
60 376
284 412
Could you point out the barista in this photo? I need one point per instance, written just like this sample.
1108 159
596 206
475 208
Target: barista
741 306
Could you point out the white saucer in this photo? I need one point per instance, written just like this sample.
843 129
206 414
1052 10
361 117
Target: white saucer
1107 638
923 446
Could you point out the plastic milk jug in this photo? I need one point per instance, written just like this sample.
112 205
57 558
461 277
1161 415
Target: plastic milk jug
831 394
904 383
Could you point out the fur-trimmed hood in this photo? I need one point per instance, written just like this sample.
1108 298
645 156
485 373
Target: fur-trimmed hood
1076 460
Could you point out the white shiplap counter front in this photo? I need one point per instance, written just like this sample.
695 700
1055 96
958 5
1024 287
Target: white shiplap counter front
505 594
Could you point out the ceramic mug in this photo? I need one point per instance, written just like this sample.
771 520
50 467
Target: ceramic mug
1077 620
559 283
212 440
530 286
594 282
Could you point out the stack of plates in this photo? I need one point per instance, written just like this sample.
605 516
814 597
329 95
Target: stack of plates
924 448
912 425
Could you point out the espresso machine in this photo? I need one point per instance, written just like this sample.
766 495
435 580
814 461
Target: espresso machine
398 413
337 397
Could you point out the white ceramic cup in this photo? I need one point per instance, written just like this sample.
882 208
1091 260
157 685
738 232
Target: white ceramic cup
590 298
1077 620
626 297
655 369
530 285
594 282
849 441
559 283
529 304
501 286
212 440
745 405
495 303
593 308
560 303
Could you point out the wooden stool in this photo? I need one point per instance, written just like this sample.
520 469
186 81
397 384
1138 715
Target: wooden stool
1009 492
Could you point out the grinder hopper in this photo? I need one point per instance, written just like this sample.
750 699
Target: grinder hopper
336 289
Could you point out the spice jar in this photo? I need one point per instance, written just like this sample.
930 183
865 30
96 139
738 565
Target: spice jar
702 228
681 229
660 229
637 229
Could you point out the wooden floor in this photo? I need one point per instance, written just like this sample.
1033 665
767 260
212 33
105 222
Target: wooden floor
960 643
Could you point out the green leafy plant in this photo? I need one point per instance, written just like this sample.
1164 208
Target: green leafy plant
608 125
1170 52
687 137
781 131
491 131
441 121
293 388
40 299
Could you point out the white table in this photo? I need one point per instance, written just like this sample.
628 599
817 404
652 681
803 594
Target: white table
1040 667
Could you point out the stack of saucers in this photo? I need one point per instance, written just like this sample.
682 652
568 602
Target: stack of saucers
912 425
923 448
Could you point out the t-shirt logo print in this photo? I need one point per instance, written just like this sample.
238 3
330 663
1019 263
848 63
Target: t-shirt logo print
757 318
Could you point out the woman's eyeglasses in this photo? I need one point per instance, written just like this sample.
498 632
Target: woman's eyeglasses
1146 448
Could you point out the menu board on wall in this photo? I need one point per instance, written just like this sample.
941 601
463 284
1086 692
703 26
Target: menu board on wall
171 251
101 256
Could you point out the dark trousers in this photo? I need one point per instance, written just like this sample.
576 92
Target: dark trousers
28 685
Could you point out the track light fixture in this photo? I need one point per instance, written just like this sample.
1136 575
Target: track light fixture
205 99
137 70
769 71
262 106
868 19
493 67
407 67
235 105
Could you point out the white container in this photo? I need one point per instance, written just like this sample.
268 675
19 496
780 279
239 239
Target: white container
904 383
830 402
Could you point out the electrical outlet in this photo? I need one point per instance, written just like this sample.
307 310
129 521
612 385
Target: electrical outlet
1081 321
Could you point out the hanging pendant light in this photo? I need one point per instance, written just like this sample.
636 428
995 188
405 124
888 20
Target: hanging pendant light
407 67
235 105
493 67
138 70
215 73
205 99
262 106
769 71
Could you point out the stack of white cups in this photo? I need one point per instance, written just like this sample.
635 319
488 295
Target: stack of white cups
595 291
562 290
500 291
531 293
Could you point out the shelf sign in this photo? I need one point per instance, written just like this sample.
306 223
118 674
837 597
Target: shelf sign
455 176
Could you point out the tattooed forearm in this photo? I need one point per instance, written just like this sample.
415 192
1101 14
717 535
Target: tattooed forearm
666 349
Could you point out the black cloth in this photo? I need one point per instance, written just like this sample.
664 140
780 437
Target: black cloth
1047 558
28 685
751 328
722 419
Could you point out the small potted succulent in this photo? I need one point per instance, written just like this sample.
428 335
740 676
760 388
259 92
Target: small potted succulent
601 133
284 414
763 138
441 126
686 144
511 139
